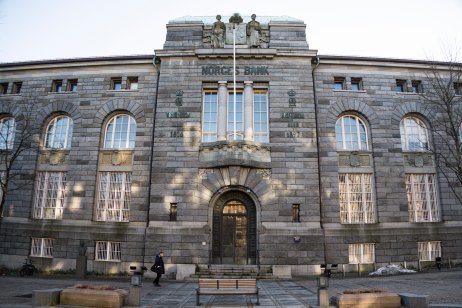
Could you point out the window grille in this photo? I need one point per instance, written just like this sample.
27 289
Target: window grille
42 247
361 253
356 198
49 195
108 251
422 198
428 251
114 196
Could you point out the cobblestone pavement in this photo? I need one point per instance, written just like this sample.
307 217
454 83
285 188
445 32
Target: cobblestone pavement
442 287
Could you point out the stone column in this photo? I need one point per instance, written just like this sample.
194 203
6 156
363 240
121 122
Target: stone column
248 110
222 109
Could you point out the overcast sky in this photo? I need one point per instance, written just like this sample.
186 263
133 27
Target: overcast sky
57 29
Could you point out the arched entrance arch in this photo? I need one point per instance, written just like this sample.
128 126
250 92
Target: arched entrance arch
234 229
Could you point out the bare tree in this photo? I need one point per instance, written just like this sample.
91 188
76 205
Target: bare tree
16 137
443 97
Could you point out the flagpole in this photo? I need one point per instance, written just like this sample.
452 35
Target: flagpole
234 80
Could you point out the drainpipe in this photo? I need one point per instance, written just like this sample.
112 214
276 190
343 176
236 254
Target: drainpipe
156 62
316 62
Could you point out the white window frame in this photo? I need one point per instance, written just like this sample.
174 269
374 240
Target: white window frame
7 132
428 251
125 142
41 247
108 251
365 212
262 135
50 143
348 144
409 132
210 136
363 253
49 195
229 111
113 203
424 209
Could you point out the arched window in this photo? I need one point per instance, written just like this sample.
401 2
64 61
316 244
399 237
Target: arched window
59 133
414 135
351 133
120 132
7 130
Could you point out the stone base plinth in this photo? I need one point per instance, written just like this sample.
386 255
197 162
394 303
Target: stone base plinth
369 300
48 297
93 298
81 267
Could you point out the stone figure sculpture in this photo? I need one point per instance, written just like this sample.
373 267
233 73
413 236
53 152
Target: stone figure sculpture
82 249
218 33
253 32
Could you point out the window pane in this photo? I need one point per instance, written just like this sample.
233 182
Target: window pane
260 117
59 133
114 196
120 132
351 133
413 135
209 123
49 195
422 199
239 117
356 198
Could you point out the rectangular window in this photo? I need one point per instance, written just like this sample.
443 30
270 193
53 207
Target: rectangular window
209 130
400 85
114 196
132 83
422 198
361 253
239 117
108 251
260 117
356 84
356 199
16 87
458 88
72 85
416 86
428 251
57 86
295 212
4 88
41 247
339 83
116 83
49 195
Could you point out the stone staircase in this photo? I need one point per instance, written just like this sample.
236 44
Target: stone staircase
232 271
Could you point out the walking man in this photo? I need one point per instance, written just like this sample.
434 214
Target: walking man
159 268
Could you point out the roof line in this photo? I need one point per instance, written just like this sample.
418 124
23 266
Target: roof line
77 60
395 60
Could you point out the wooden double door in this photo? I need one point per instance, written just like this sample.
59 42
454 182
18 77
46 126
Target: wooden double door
234 230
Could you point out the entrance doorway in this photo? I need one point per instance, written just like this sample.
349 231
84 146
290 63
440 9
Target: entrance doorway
234 230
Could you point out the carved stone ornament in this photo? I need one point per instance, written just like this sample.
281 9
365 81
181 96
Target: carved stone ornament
419 160
203 173
354 159
236 19
217 39
116 158
265 173
53 157
179 97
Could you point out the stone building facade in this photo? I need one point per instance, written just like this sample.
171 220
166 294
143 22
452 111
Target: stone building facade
299 162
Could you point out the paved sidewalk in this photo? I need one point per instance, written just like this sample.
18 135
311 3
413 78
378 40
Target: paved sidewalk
442 287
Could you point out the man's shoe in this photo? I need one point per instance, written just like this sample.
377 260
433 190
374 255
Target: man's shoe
158 285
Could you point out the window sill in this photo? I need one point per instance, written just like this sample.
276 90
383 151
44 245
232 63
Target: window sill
12 94
114 261
123 90
41 257
62 93
410 93
351 91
